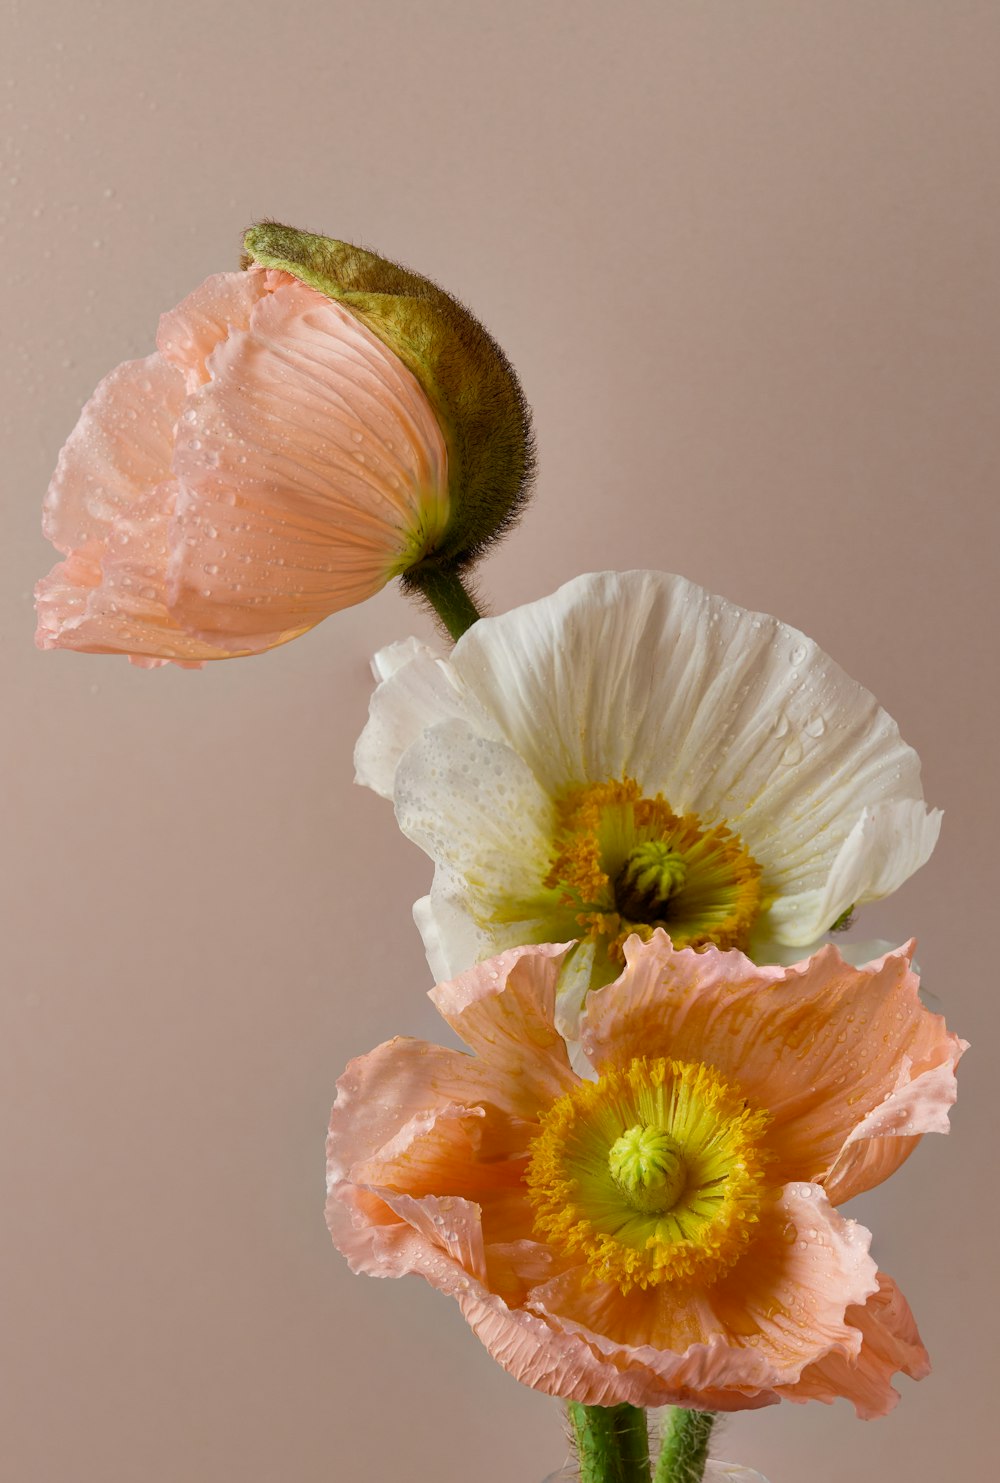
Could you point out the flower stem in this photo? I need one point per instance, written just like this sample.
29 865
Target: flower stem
685 1446
446 593
612 1443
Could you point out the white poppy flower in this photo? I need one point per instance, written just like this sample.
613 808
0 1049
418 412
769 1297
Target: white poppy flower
631 753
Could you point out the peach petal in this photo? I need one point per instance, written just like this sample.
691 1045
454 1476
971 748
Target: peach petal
844 1058
779 1309
312 466
119 450
471 1150
564 1363
397 1092
504 1010
108 508
224 302
378 1241
890 1343
110 603
446 1222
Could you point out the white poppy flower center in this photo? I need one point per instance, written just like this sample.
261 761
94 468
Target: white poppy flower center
623 863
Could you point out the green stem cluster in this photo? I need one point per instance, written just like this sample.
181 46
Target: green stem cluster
612 1445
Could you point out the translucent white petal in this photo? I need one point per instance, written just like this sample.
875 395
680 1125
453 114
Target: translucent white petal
451 939
394 656
419 690
883 849
473 805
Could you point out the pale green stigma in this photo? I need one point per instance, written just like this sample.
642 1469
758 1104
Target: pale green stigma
647 1167
653 872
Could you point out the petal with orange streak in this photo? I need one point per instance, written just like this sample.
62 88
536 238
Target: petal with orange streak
313 468
890 1343
843 1058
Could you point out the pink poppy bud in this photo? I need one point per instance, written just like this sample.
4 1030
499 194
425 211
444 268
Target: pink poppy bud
281 456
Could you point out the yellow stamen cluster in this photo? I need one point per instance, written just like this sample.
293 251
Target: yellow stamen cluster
624 863
595 1167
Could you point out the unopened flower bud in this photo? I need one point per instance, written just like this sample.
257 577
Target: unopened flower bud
467 378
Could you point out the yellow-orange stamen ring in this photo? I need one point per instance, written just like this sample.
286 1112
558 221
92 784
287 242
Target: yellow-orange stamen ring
581 1208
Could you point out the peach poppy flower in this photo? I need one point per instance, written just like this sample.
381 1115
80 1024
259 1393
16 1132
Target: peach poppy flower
272 463
665 1231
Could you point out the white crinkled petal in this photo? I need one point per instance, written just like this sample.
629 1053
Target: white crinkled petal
419 690
451 938
394 656
575 977
729 713
473 805
886 845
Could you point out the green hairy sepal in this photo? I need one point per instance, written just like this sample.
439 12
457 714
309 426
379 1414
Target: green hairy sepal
469 382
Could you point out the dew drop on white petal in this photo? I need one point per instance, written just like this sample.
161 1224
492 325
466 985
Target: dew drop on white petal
792 753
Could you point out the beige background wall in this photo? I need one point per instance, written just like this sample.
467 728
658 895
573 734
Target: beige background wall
745 257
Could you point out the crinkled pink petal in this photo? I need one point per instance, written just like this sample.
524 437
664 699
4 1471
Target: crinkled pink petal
120 449
779 1309
108 508
114 602
312 468
401 1089
849 1062
224 302
504 1010
889 1343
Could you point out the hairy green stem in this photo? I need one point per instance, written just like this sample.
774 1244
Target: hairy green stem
446 593
612 1443
685 1446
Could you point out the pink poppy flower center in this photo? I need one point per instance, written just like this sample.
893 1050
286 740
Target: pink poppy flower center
654 1173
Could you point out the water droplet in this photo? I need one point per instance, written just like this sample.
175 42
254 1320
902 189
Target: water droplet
816 726
792 753
798 654
781 725
212 568
357 437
